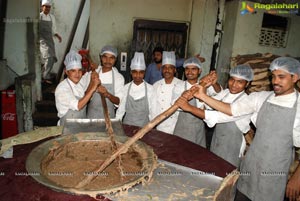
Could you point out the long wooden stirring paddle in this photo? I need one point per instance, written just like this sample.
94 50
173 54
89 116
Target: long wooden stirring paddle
124 147
108 123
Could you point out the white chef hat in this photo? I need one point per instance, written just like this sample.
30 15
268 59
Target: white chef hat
73 60
138 61
287 64
169 58
46 3
110 50
192 61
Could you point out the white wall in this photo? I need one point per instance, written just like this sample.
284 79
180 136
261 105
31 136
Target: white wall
65 14
241 36
248 30
15 43
112 22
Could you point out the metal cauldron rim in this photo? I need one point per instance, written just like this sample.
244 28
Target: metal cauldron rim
38 153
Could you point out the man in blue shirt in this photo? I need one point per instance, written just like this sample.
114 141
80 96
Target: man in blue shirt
153 71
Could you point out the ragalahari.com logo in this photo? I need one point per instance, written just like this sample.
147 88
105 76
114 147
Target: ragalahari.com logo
275 8
246 9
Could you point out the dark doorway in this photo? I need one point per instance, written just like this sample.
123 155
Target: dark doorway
148 34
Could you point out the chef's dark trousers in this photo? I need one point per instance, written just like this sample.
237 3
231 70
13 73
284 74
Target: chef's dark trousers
240 196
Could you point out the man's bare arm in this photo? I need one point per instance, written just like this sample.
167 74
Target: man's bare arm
213 103
114 99
183 103
92 88
211 80
293 186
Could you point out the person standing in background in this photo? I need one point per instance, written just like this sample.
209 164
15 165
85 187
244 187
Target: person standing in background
165 92
154 71
47 30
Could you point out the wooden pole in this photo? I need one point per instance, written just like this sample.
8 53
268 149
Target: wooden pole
110 132
108 124
124 147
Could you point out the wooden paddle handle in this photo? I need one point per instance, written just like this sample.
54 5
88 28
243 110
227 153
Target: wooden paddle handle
108 123
124 147
105 112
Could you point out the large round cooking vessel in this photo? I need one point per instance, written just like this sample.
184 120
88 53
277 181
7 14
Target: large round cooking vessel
146 160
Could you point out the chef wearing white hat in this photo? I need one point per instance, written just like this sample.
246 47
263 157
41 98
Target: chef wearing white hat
135 103
47 30
164 92
70 97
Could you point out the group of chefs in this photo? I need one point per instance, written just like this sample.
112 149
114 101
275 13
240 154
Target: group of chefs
276 114
265 166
